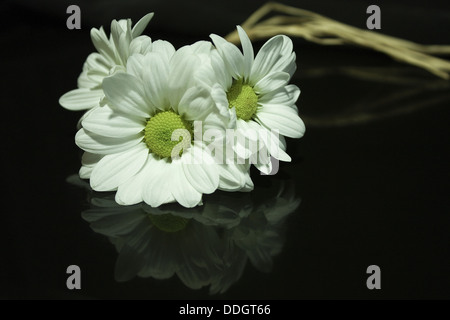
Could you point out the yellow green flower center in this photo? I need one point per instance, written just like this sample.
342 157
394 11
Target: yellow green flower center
242 97
168 222
159 129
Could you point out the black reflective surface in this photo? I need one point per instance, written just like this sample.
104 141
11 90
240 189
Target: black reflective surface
368 184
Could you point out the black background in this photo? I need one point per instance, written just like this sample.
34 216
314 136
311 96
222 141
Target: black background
373 192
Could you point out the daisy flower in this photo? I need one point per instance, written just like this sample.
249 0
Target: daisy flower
256 91
113 52
155 99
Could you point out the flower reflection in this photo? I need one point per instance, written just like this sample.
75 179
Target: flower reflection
204 246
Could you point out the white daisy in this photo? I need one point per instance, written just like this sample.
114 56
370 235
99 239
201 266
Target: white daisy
132 133
113 52
256 90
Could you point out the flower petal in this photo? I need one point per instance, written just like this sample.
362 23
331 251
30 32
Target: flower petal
233 58
232 176
84 81
81 99
134 65
200 170
121 35
102 43
271 82
286 62
266 58
265 168
182 68
249 55
155 77
88 162
141 25
220 99
105 122
97 64
182 189
246 142
201 47
271 140
282 118
196 104
158 182
222 75
115 169
126 94
94 143
163 47
140 45
287 95
131 191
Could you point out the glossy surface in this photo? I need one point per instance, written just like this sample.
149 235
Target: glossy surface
368 184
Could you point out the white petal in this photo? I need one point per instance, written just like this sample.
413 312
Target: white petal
245 143
97 64
121 35
81 99
155 76
232 176
196 104
286 95
88 161
283 119
87 113
163 47
158 183
220 98
201 47
276 108
141 25
140 45
201 171
248 52
266 58
249 186
131 191
182 189
265 168
271 82
102 43
283 144
286 62
181 75
94 143
105 122
84 81
216 122
222 75
271 140
115 169
135 65
126 94
85 172
233 58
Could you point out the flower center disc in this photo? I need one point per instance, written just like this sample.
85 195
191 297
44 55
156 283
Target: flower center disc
243 98
168 222
159 129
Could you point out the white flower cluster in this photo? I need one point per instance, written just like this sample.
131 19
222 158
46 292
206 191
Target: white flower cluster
165 125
